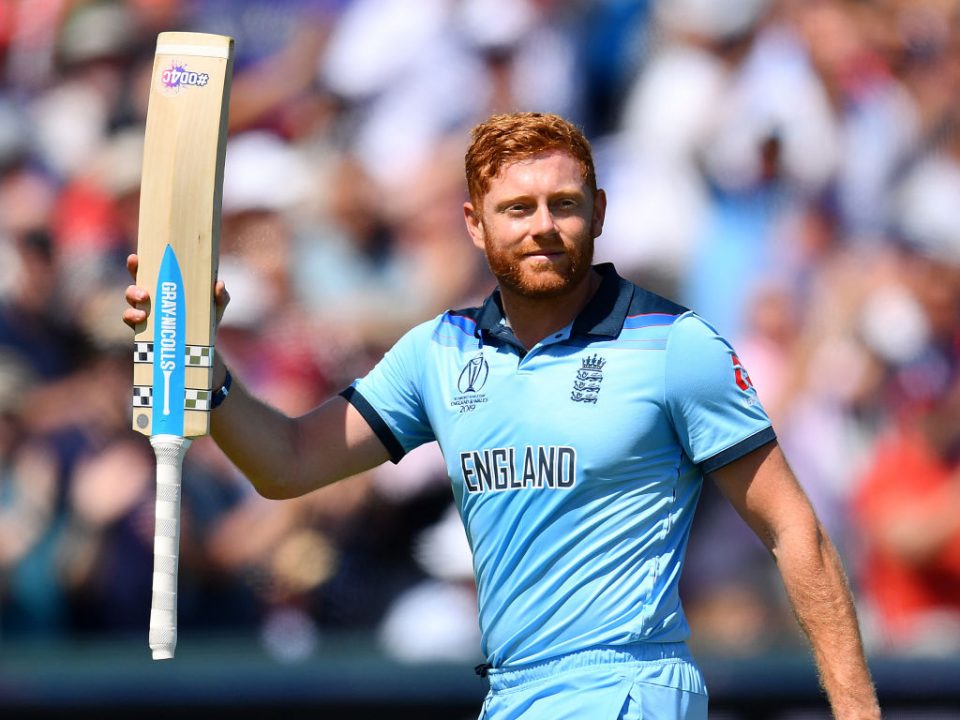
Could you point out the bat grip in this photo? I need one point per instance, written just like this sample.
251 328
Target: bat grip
169 450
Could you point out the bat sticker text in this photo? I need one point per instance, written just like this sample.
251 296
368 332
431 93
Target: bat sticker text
177 76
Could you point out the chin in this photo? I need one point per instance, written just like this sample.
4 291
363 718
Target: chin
543 283
542 280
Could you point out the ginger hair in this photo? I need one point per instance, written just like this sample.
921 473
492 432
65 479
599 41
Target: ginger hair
505 139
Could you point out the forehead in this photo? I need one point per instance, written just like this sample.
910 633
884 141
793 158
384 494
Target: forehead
546 170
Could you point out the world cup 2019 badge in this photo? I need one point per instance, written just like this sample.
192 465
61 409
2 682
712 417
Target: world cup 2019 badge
586 386
472 378
474 375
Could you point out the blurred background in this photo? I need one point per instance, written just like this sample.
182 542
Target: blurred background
788 168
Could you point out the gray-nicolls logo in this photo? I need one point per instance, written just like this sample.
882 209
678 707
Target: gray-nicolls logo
586 385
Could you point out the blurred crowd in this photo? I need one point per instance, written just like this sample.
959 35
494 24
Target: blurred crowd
788 168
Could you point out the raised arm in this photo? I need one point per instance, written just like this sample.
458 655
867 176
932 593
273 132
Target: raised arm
282 456
763 489
286 457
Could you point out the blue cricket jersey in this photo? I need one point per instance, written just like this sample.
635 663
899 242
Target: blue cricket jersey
576 465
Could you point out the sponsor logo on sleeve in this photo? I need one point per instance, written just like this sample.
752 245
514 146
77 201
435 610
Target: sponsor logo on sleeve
740 375
743 381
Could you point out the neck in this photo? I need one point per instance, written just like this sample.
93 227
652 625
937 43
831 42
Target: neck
533 319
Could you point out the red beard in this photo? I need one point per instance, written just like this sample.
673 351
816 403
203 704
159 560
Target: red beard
546 279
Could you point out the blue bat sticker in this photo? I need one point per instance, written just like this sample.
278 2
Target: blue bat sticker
169 348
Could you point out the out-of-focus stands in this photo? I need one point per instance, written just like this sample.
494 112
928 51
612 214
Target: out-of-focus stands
351 678
789 169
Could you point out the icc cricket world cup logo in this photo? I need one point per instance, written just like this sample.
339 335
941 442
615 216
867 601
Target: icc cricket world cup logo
474 375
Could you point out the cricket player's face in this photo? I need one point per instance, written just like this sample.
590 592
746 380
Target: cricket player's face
537 224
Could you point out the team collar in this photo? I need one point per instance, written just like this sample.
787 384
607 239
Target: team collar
603 315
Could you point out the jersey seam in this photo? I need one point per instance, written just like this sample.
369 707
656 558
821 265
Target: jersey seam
666 365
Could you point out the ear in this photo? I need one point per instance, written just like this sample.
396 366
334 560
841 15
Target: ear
474 225
599 212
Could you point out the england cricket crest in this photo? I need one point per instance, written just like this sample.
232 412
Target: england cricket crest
586 385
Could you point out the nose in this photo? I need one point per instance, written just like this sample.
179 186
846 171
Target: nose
542 222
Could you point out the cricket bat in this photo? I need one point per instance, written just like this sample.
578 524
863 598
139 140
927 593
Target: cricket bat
178 246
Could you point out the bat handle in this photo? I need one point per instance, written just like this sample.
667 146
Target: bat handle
169 450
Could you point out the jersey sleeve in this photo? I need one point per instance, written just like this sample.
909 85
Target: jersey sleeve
710 398
389 397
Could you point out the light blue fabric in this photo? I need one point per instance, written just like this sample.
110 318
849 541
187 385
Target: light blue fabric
576 466
638 682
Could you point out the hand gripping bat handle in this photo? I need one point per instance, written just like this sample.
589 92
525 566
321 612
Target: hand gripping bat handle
169 450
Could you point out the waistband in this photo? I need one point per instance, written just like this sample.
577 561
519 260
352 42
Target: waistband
503 678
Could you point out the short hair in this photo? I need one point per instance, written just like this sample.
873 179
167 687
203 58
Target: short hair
504 139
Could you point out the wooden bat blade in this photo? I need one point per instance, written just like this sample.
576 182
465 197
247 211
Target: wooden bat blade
179 232
178 245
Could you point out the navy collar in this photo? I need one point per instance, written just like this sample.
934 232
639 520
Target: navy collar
604 314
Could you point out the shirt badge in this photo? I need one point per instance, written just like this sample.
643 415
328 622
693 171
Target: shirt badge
472 378
586 385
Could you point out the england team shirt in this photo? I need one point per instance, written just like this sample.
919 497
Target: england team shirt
576 466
